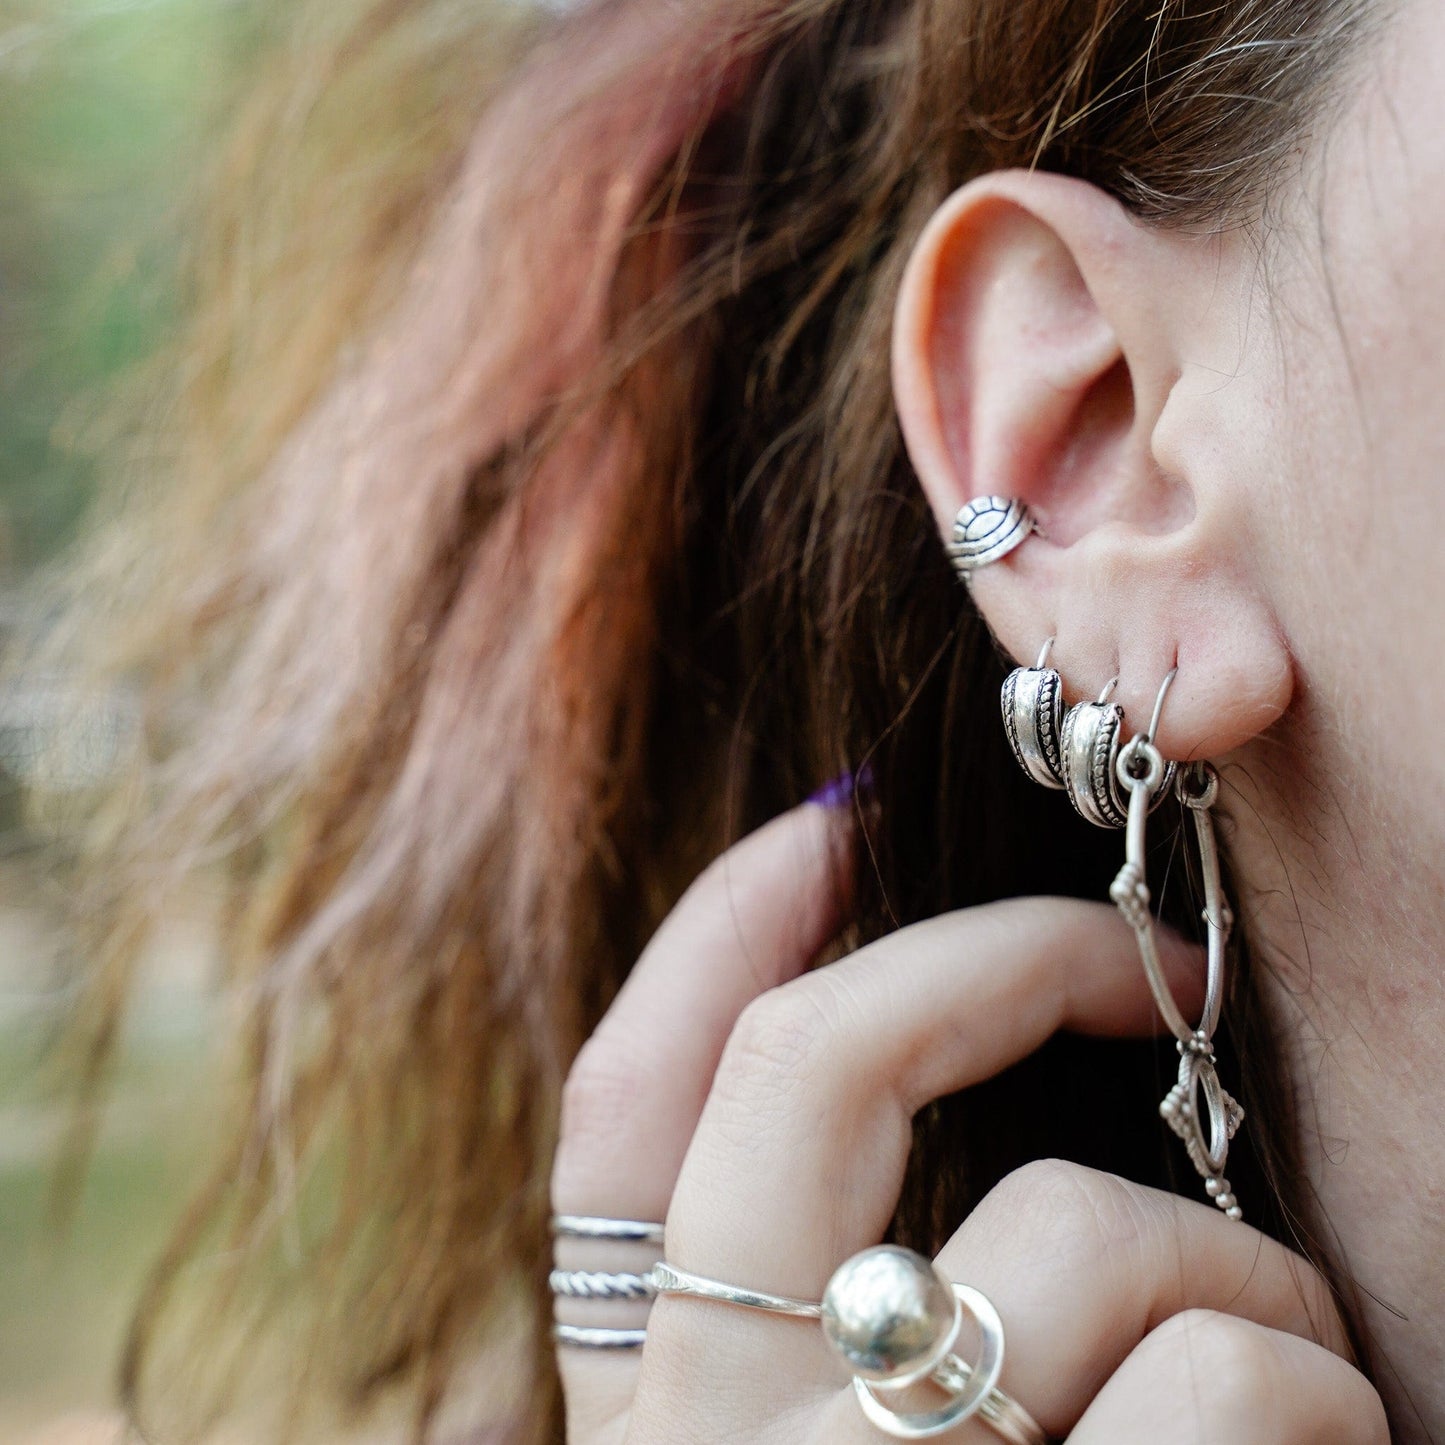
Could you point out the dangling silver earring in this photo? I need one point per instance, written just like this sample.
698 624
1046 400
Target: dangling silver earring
986 530
1033 714
1143 774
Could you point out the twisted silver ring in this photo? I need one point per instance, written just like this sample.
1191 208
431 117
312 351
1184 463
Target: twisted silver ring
600 1284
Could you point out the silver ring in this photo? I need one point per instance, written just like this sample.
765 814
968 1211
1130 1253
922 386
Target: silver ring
1007 1417
892 1318
588 1226
667 1279
599 1284
580 1337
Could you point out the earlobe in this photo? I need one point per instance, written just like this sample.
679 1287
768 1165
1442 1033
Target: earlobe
1040 336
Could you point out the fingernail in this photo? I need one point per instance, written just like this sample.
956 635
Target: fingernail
838 792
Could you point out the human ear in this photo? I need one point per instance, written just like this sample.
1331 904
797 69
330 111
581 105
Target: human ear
1050 348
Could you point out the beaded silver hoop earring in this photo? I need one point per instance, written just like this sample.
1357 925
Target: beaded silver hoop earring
1089 748
1033 715
1089 743
1144 775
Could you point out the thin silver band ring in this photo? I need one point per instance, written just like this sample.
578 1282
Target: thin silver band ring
667 1279
582 1337
589 1226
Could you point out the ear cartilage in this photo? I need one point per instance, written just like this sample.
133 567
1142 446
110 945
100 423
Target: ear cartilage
986 530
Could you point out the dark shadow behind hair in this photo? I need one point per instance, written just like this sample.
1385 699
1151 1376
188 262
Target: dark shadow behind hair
605 551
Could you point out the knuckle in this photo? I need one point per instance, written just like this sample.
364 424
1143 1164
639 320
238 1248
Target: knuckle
783 1037
603 1091
1206 1346
1066 1211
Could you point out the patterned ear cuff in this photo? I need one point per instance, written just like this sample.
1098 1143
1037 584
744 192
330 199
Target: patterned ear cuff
986 530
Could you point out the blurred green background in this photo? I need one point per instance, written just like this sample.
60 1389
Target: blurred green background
103 105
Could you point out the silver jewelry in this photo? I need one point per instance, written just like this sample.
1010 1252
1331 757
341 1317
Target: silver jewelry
893 1319
1143 774
1089 746
587 1226
667 1279
599 1284
1033 714
986 530
585 1337
1089 743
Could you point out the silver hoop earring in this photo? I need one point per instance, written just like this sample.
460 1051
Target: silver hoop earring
1197 1108
1089 747
1089 750
986 530
1033 715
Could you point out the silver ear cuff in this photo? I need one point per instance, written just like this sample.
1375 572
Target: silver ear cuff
986 530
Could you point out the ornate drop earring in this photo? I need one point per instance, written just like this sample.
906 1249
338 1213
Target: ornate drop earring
1143 774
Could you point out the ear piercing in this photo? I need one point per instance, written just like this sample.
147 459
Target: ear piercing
1116 787
1077 751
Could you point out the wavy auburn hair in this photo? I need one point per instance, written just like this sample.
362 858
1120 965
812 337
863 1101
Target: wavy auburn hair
533 521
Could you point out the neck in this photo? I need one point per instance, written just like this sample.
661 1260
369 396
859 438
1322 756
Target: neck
1340 892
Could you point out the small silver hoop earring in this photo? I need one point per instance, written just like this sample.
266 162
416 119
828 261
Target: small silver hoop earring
986 530
1197 1108
1089 744
1033 715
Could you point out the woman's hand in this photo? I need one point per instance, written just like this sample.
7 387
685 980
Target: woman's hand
765 1112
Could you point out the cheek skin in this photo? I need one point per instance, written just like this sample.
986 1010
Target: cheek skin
1361 523
1339 819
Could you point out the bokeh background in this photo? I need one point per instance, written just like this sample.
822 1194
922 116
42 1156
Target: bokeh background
103 106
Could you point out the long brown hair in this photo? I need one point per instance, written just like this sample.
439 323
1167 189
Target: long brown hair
535 523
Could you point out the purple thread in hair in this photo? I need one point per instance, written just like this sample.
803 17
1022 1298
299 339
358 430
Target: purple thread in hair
838 792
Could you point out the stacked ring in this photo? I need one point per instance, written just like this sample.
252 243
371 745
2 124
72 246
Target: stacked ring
592 1284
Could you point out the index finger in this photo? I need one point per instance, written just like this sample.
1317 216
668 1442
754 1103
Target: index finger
755 917
800 1151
